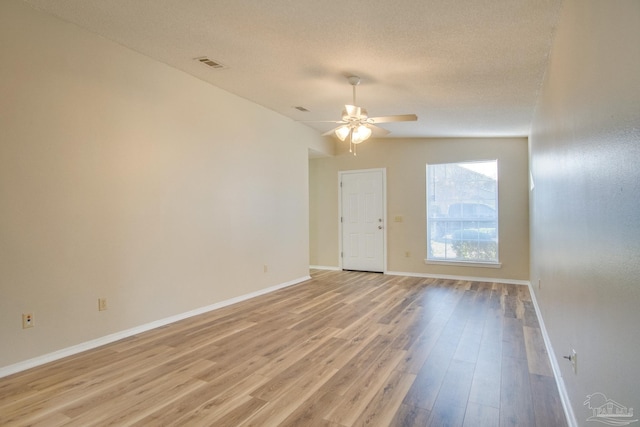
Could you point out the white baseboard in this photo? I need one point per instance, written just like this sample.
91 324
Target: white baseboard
88 345
324 267
555 367
468 278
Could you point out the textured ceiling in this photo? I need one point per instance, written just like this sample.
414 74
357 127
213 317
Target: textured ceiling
465 67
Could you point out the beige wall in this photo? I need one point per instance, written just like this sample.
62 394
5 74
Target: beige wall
585 208
123 178
405 161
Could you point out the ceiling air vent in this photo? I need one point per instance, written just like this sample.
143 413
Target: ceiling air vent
209 63
304 110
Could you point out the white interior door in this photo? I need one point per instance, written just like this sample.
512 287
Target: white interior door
363 220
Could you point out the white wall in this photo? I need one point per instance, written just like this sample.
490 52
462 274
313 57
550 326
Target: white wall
126 179
405 161
585 208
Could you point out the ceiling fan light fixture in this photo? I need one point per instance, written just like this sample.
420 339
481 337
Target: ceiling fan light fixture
360 134
343 132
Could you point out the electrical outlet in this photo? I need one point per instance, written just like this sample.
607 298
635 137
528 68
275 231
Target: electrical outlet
102 304
27 320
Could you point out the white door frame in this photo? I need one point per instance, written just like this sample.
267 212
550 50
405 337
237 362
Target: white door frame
384 213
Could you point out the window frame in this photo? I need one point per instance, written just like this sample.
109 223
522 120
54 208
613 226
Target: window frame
463 203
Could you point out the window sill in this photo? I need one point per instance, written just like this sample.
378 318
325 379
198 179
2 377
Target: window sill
464 263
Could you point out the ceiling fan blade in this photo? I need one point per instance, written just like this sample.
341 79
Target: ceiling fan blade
331 132
321 121
396 118
377 131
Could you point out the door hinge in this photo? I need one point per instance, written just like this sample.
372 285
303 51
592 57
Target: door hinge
341 254
341 219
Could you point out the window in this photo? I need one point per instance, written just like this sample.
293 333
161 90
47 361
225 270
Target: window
462 212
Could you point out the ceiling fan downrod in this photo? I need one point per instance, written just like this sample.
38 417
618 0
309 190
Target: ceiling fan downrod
354 81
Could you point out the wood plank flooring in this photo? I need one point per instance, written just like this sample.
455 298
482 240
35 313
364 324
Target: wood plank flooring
342 349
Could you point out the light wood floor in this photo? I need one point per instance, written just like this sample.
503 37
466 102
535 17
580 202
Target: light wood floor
343 349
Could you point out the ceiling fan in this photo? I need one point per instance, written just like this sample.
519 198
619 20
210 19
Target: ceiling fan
357 126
